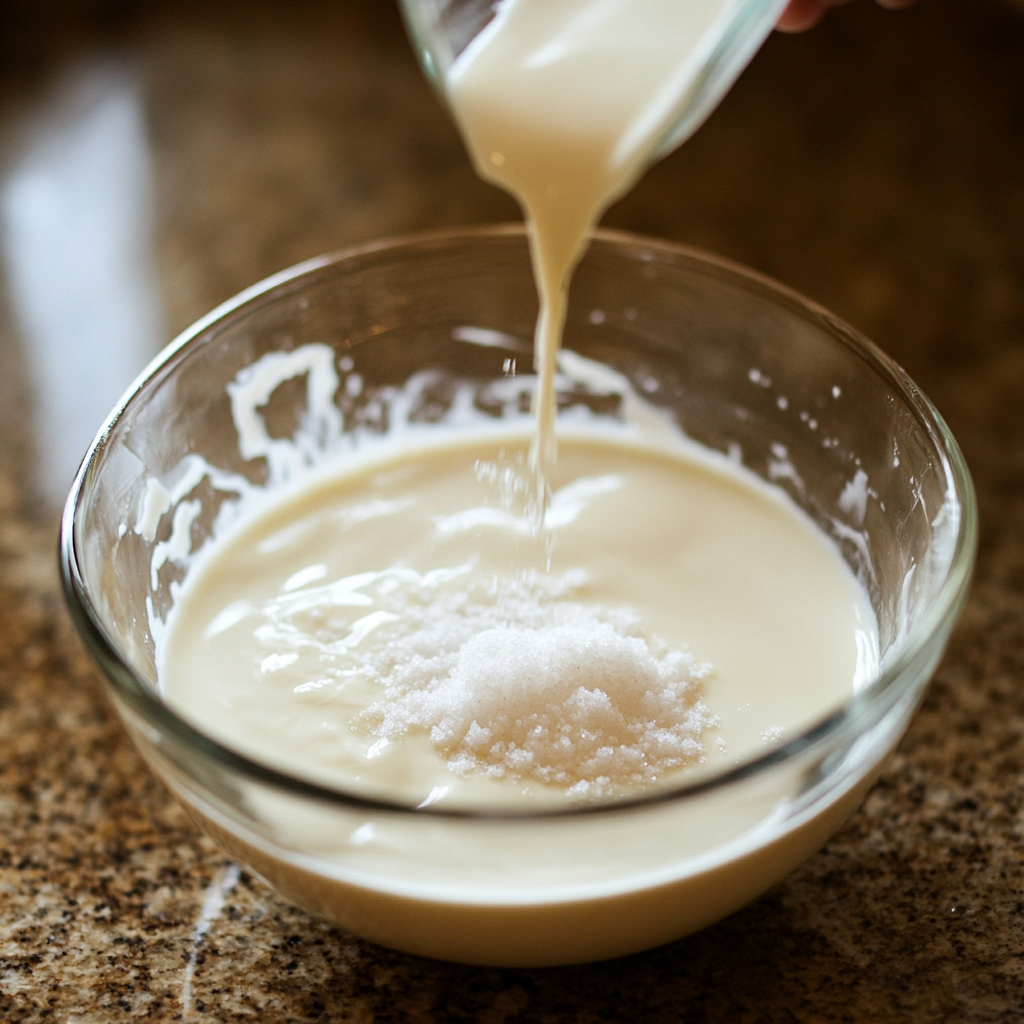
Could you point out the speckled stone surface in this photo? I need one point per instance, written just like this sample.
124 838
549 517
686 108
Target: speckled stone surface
876 164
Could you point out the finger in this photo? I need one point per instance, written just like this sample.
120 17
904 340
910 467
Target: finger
800 15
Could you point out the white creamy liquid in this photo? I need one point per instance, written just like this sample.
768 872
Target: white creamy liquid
271 636
381 587
562 103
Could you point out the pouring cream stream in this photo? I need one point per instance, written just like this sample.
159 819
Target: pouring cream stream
562 103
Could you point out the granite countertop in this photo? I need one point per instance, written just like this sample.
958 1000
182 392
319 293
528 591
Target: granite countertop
155 158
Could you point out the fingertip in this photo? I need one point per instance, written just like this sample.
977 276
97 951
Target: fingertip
800 15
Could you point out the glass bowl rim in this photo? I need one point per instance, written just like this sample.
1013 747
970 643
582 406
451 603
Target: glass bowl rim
129 688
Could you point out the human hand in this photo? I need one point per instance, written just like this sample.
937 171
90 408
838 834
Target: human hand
804 14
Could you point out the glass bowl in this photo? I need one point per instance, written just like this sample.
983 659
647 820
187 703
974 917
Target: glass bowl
739 363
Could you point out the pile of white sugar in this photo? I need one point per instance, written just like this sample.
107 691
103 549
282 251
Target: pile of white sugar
518 680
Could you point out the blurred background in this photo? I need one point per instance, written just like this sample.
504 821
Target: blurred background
157 156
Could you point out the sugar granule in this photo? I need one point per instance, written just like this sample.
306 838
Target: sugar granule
520 681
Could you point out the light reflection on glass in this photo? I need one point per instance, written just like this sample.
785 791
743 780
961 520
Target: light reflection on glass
75 226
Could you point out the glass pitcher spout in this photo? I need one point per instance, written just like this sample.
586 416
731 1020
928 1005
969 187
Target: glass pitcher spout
442 29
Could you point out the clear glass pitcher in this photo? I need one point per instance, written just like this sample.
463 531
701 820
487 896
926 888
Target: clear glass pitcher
442 29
